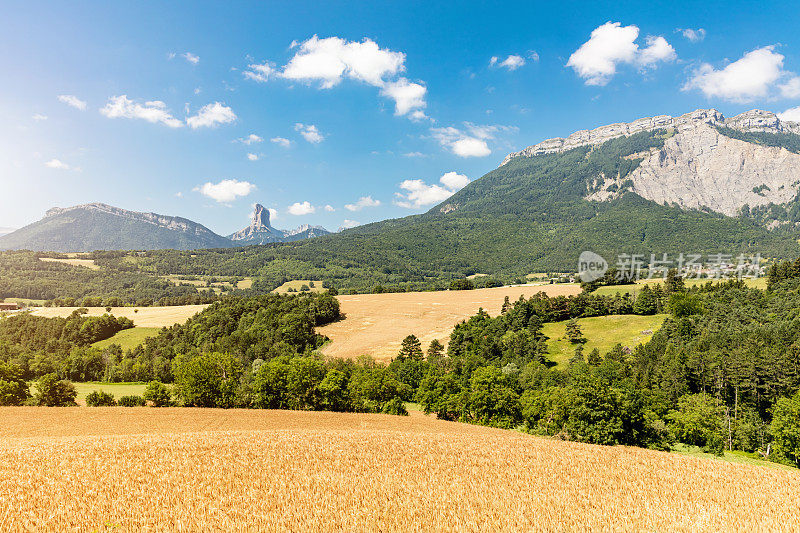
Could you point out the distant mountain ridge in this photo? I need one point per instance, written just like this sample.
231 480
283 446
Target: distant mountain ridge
98 226
260 231
749 121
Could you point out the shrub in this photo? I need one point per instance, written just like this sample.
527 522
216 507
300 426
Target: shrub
131 401
100 399
158 394
54 392
13 389
395 406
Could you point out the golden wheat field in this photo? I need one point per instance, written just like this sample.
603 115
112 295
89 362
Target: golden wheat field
376 324
147 469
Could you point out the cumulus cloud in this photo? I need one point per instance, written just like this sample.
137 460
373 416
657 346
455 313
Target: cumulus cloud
154 111
409 97
419 194
191 58
329 208
226 191
57 164
327 62
364 201
250 139
757 74
612 44
470 142
309 132
694 36
512 62
791 115
301 208
72 101
347 224
38 117
281 141
253 157
210 115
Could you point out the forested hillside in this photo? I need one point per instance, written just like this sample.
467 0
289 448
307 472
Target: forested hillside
527 216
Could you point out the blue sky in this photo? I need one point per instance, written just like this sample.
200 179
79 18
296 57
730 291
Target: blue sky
361 110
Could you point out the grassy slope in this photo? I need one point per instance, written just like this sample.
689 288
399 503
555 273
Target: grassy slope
128 338
603 333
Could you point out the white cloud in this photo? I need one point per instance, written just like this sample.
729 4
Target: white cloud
226 191
327 62
39 116
57 164
419 194
413 154
329 208
454 181
273 213
469 143
612 44
301 208
72 101
409 97
694 36
154 111
309 132
512 62
790 89
347 224
253 157
282 142
754 76
259 72
791 115
250 139
210 115
191 58
533 55
364 201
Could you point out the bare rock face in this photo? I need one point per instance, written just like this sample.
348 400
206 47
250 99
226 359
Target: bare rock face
261 232
701 168
755 120
698 167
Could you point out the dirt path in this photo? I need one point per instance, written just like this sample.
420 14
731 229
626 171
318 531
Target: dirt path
376 324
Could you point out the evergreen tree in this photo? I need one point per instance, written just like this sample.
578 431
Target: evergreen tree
594 357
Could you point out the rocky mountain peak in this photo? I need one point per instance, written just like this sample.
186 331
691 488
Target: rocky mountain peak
753 120
260 219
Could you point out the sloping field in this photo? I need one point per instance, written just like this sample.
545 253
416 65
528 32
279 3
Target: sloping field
86 263
145 317
603 332
376 324
80 469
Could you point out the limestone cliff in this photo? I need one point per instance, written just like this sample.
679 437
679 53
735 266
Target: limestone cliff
698 167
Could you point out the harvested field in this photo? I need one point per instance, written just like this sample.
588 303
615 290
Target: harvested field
376 324
145 317
297 284
81 469
86 263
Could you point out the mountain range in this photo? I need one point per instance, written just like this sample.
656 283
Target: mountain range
261 232
695 183
98 226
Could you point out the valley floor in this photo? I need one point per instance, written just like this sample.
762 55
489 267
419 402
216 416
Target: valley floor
376 324
79 469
